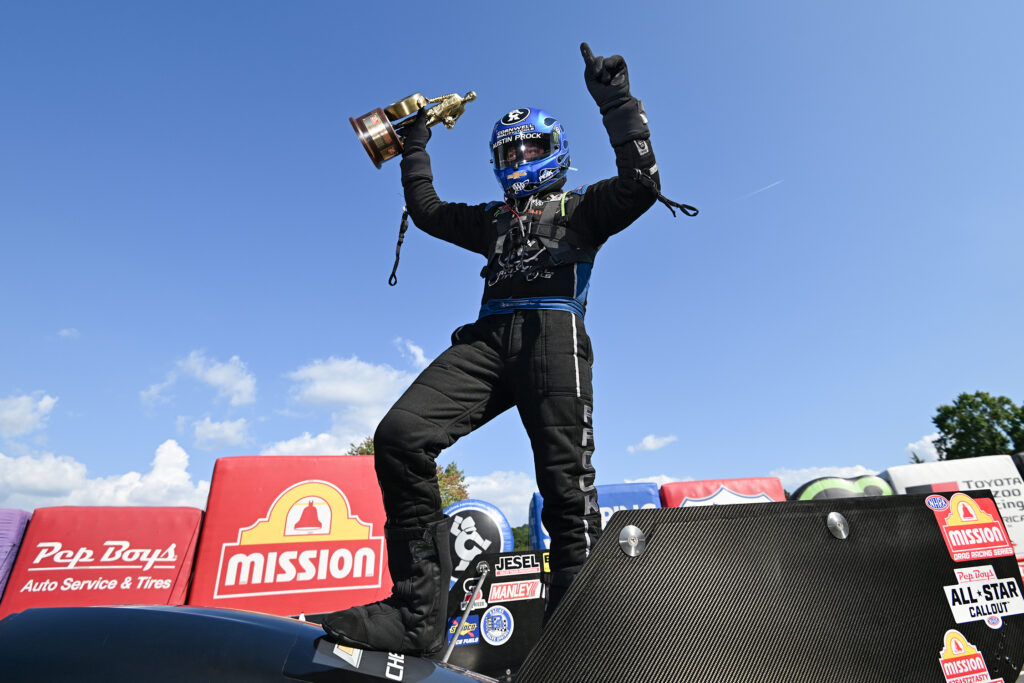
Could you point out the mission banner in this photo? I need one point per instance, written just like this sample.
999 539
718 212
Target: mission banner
292 534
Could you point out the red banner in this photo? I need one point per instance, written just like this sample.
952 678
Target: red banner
76 556
292 534
722 492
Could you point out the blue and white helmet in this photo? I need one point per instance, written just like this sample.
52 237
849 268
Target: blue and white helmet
529 151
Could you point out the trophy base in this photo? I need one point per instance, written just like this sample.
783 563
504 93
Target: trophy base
378 136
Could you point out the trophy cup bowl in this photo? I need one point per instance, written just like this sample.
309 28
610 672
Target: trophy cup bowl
378 129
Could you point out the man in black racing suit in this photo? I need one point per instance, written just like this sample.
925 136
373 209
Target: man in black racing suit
528 348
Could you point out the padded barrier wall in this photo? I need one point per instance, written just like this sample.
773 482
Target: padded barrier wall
78 556
722 492
12 528
292 534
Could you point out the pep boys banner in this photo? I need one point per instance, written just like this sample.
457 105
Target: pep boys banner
292 534
722 492
997 473
611 498
77 556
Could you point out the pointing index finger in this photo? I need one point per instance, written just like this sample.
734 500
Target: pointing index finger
588 56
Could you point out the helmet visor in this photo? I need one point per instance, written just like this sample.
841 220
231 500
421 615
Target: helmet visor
512 151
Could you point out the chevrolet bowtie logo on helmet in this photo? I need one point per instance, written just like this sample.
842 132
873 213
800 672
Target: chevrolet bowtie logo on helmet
514 116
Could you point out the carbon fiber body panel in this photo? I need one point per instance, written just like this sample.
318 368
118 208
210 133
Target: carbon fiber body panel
766 593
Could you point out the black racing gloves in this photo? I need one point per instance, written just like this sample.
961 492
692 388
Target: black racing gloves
416 134
608 82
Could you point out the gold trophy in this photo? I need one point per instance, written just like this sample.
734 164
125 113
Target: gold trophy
380 129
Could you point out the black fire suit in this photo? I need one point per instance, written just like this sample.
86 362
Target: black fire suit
529 347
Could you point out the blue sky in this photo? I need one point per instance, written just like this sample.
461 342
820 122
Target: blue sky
194 248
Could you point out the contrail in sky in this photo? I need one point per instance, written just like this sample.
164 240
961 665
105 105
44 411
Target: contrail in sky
766 187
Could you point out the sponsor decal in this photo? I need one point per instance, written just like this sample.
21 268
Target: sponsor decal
349 655
980 594
961 662
395 668
545 174
517 174
308 542
470 633
544 560
496 625
936 502
468 541
516 565
514 116
514 590
642 147
726 496
474 592
972 529
115 556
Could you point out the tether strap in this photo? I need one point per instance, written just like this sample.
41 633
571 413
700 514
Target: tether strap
393 280
648 182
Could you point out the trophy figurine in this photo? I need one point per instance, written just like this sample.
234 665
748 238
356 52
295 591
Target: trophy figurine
380 129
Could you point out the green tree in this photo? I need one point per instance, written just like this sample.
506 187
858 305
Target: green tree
450 479
452 482
979 424
521 536
364 447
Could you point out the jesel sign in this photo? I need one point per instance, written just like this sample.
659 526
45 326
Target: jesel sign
292 534
308 542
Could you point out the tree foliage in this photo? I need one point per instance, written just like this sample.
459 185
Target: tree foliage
450 479
452 482
979 424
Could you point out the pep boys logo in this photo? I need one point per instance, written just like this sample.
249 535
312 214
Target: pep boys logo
115 555
308 542
972 529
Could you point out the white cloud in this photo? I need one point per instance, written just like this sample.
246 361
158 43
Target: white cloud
510 491
69 333
794 479
307 444
412 352
924 448
359 394
45 480
348 381
232 379
23 414
652 443
659 479
213 435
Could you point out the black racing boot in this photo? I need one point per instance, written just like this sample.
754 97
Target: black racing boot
412 621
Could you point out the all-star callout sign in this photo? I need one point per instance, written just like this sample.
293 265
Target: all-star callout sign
292 534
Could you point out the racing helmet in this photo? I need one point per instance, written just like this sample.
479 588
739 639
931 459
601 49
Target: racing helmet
529 151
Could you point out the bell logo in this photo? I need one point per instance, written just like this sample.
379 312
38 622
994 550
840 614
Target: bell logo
309 542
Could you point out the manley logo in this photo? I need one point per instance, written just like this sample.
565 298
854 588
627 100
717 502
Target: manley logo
972 529
308 542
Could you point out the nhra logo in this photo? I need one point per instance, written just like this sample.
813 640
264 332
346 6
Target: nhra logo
515 116
970 531
308 542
